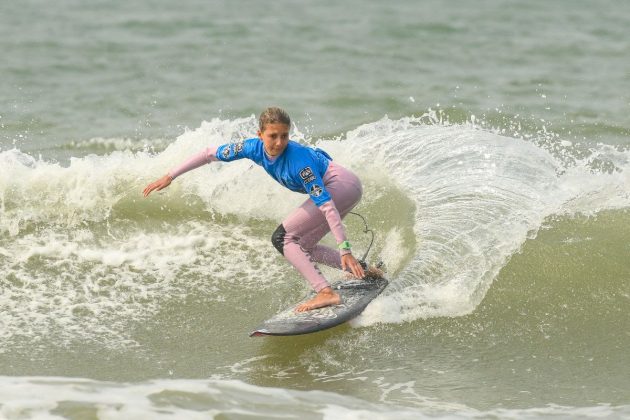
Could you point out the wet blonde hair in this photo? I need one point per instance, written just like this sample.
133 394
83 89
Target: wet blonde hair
273 115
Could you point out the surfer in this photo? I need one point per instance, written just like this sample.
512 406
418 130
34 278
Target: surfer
333 192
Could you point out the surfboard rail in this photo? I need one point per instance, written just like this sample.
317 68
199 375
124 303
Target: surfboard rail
355 295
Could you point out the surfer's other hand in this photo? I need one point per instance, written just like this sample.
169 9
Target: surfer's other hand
158 185
348 262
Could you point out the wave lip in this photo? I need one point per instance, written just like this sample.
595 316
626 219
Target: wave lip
478 197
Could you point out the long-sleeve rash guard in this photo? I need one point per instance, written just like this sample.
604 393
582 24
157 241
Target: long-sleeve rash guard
299 168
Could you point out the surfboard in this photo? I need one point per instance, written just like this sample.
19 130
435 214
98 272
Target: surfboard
355 297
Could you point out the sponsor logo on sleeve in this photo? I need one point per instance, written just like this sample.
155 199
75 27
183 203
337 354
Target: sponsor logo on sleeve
226 152
316 190
238 148
307 175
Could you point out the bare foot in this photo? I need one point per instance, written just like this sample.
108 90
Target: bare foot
325 297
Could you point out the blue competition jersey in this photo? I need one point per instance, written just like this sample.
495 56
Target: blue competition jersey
299 168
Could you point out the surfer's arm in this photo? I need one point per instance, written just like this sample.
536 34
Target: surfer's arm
226 153
195 161
334 222
202 158
315 187
348 262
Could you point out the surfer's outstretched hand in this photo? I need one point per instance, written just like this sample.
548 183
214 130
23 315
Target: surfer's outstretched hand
158 185
349 262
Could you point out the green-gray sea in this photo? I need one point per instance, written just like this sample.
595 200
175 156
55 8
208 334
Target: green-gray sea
493 141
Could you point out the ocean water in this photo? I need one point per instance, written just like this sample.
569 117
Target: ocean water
493 141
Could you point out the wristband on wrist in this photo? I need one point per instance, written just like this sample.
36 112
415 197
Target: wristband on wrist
345 245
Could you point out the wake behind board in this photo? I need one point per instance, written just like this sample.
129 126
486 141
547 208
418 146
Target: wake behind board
355 296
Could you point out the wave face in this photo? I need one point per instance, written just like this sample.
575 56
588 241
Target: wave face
507 258
451 204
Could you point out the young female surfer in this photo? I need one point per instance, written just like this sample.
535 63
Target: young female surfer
333 192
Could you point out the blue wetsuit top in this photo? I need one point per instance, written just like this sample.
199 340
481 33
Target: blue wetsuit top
299 168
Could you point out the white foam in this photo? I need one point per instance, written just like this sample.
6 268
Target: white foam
478 196
392 252
117 143
27 398
90 288
51 397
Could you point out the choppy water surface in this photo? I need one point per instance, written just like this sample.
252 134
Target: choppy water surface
501 213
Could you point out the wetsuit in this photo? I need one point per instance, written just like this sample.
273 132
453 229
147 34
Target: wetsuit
333 192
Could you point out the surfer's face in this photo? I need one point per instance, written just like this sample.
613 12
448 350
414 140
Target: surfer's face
275 137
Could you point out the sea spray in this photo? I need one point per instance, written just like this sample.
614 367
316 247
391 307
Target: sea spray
450 204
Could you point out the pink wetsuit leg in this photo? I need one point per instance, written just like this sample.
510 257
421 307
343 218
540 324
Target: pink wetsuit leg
307 225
